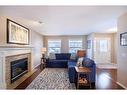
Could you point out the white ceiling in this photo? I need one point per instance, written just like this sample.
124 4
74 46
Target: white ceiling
66 20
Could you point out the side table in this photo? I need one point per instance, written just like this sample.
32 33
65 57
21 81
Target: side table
43 62
86 71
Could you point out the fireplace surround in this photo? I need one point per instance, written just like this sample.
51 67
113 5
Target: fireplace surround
17 66
9 54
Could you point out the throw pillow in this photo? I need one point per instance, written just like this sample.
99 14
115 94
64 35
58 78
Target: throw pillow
79 62
73 56
87 62
52 56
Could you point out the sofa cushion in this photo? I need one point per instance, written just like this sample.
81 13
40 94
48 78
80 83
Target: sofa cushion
73 56
61 61
53 63
80 60
63 56
71 64
52 56
87 62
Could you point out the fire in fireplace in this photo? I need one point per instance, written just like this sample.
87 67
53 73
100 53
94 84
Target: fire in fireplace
18 68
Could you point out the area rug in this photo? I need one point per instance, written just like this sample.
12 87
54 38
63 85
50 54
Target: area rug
52 78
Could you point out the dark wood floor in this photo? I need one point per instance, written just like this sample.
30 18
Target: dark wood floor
105 79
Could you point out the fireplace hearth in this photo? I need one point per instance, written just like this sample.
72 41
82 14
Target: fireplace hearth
18 68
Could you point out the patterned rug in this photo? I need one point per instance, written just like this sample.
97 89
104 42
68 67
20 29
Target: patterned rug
52 78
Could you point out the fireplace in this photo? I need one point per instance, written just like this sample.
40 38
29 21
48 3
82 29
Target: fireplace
18 68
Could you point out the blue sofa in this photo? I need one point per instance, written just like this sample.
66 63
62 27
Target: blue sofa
61 60
87 63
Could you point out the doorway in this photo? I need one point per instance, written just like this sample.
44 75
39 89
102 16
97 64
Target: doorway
102 50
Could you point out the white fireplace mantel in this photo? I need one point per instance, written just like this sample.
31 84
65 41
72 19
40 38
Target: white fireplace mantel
10 51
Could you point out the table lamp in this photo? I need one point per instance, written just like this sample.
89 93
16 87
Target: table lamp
43 52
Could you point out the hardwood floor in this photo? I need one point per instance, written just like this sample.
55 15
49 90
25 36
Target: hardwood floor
105 79
25 83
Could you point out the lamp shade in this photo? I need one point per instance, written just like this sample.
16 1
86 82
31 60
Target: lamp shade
43 49
81 53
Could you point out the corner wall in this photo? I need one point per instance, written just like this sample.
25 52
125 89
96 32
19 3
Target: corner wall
36 44
122 52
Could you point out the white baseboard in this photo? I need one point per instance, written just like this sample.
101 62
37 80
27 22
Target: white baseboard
121 85
37 65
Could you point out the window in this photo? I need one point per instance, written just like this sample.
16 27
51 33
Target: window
103 45
75 45
54 46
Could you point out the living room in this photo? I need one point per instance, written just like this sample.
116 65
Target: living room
55 36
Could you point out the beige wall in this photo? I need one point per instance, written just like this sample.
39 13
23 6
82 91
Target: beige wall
122 52
36 40
64 41
3 31
37 44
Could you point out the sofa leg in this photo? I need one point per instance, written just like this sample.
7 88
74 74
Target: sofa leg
93 85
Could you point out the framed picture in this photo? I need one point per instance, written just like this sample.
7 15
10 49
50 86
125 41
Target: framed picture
16 33
123 39
88 44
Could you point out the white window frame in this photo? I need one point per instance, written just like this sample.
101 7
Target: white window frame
54 40
78 47
103 45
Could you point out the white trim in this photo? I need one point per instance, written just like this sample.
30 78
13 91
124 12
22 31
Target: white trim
2 71
36 66
121 85
10 51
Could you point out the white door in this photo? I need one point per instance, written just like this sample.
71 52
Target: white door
102 50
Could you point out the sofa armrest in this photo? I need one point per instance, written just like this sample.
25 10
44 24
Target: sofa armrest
72 74
71 71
